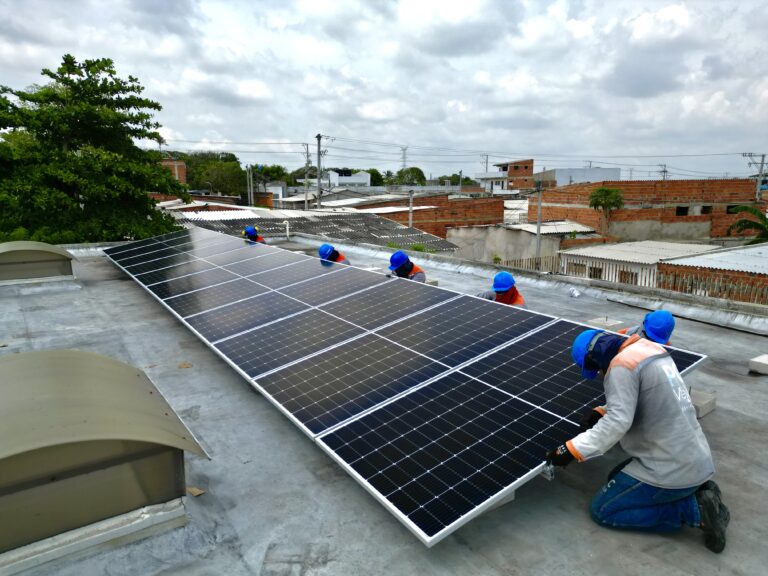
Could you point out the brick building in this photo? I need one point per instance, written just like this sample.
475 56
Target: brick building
654 209
509 176
447 212
177 167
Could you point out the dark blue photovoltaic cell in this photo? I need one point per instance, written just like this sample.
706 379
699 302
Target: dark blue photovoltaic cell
158 263
386 303
221 247
192 236
244 315
191 282
461 329
244 251
440 451
325 390
326 288
148 256
287 275
282 342
173 272
133 246
208 298
264 263
152 248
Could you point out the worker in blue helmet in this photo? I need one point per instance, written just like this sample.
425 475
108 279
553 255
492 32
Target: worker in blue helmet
667 482
251 234
656 326
402 266
504 291
329 254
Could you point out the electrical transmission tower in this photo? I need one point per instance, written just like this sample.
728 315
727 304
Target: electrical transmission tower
760 165
664 172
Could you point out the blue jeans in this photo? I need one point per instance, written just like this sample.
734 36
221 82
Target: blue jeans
626 503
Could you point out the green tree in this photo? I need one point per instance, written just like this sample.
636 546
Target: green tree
453 180
376 177
606 200
389 178
70 169
410 176
758 223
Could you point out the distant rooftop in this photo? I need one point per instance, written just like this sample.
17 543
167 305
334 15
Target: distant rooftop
557 227
644 252
752 259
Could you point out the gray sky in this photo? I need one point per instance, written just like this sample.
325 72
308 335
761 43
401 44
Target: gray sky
561 81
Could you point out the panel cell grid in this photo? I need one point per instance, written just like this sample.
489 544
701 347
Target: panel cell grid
386 303
326 288
287 275
134 252
133 246
147 256
264 263
158 263
191 282
282 342
540 370
214 296
441 451
323 391
463 328
244 315
218 247
173 272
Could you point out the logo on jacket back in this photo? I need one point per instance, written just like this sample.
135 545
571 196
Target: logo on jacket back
678 387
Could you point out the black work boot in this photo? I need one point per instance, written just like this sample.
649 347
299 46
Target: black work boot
714 516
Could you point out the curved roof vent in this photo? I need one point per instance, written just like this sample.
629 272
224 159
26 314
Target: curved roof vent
83 438
26 259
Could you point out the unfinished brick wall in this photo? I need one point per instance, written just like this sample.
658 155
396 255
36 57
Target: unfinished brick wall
176 167
448 213
727 284
653 200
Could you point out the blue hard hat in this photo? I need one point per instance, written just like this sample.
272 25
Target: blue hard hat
659 325
580 349
397 259
324 251
250 230
503 281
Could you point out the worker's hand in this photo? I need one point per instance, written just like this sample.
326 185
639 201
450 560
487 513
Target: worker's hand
590 419
560 456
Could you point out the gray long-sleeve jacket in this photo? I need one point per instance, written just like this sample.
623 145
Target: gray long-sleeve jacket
649 411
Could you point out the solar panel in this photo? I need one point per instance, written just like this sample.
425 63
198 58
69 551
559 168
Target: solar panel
287 275
157 263
241 252
325 390
137 246
346 281
463 328
171 272
184 284
443 453
288 340
212 296
223 246
244 315
145 253
264 263
386 303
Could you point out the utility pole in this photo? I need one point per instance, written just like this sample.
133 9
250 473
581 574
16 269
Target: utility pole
410 208
461 175
319 172
664 172
306 176
538 226
486 162
631 170
589 163
760 170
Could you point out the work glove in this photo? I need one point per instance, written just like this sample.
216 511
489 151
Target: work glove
590 419
560 456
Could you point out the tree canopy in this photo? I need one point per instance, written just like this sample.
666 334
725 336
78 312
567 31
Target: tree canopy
453 180
376 177
410 176
70 169
758 223
607 200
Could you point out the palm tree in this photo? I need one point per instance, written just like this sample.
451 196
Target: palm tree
760 223
606 199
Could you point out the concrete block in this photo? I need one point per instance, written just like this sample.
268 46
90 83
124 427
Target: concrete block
759 364
704 402
432 282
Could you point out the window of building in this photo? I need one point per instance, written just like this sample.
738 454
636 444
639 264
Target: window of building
706 209
731 209
595 273
627 277
681 211
575 269
517 167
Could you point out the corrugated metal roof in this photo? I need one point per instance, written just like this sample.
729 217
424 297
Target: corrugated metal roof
752 259
560 227
644 252
392 209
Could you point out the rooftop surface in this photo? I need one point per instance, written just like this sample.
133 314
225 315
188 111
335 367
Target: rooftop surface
275 504
753 259
643 252
559 227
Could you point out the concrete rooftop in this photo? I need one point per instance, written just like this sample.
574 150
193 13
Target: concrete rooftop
275 504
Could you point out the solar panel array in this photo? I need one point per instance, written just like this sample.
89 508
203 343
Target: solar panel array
439 404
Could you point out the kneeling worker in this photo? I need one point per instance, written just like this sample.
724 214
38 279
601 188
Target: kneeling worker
667 481
504 291
330 254
401 265
251 234
656 326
